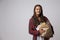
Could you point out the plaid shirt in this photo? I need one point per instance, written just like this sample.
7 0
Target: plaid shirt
33 31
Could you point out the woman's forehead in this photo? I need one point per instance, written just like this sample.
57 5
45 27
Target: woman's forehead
38 7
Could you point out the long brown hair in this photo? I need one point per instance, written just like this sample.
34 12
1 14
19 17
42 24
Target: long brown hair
36 22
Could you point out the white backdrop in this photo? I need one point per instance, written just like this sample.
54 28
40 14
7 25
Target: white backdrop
15 15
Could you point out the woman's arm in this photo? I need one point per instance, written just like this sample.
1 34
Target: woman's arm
49 23
32 28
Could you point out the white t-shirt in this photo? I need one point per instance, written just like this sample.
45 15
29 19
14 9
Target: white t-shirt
39 37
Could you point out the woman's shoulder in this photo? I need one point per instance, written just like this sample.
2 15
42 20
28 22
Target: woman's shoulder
31 19
45 18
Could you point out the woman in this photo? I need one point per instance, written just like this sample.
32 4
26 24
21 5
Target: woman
35 20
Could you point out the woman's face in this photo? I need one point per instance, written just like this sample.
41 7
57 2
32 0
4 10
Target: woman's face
37 10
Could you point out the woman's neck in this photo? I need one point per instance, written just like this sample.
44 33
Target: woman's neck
37 16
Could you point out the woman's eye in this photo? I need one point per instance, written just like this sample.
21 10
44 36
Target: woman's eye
37 9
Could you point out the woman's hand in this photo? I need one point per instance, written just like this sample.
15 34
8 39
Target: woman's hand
41 31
